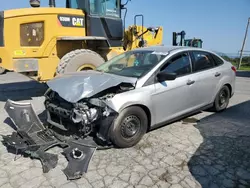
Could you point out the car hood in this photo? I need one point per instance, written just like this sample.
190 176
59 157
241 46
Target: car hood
78 85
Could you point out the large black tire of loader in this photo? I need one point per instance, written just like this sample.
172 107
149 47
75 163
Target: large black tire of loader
2 70
73 60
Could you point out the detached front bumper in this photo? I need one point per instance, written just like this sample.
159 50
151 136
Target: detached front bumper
33 138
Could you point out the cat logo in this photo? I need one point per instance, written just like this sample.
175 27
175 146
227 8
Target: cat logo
71 21
77 22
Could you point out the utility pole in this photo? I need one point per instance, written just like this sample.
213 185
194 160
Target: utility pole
243 45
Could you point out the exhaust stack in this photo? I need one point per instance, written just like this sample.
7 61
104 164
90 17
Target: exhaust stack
35 3
52 3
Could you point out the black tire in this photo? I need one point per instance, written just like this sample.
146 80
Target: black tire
222 99
120 134
2 70
72 61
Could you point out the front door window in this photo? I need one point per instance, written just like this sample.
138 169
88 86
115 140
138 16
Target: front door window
180 65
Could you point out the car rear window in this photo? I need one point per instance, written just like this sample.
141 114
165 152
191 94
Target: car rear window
218 61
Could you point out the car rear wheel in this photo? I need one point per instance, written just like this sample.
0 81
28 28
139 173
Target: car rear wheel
129 127
222 99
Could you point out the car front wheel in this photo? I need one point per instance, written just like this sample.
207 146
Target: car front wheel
129 127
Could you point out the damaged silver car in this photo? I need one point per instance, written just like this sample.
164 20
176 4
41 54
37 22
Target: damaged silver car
108 102
116 104
136 90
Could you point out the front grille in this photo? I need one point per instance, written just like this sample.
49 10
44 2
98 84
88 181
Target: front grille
62 112
1 28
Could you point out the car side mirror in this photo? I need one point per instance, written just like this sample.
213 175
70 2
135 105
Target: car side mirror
164 75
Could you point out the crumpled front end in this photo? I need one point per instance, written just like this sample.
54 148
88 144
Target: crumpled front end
87 117
77 103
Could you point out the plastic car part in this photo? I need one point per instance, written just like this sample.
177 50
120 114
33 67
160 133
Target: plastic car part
24 116
21 143
33 139
79 157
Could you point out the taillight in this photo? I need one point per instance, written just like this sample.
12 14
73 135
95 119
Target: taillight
233 68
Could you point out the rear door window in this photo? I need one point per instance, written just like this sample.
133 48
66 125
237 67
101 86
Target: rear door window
202 61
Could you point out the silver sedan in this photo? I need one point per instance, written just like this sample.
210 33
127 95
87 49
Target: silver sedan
145 88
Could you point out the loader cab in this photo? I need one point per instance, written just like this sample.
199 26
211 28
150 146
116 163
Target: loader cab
103 18
193 42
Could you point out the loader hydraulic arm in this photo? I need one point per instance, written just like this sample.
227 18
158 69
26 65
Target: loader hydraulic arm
149 29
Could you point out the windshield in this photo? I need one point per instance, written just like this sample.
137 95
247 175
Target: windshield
133 63
98 7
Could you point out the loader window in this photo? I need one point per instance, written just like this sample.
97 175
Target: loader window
109 8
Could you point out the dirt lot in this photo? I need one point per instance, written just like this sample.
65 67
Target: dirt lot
214 152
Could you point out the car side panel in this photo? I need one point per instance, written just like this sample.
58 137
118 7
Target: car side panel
164 108
204 87
227 77
139 96
171 99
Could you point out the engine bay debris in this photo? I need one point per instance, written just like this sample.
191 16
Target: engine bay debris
32 138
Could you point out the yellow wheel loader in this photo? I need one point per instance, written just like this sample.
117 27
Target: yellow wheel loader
44 42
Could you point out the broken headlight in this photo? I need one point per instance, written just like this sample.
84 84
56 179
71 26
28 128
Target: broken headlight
32 34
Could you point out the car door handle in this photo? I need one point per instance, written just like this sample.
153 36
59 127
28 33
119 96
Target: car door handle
217 74
190 82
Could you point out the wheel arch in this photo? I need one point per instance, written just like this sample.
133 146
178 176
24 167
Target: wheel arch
230 88
225 81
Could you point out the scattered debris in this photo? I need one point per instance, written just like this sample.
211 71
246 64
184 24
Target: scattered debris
33 139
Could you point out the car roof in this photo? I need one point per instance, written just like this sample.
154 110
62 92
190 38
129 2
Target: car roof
161 48
169 49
